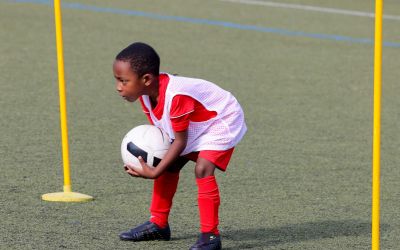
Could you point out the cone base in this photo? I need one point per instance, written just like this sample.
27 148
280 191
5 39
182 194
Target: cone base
67 197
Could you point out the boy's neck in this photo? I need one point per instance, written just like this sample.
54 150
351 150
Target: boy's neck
154 90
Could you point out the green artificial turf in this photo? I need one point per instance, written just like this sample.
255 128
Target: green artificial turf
301 177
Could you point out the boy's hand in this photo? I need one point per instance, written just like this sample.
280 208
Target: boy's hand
131 171
145 172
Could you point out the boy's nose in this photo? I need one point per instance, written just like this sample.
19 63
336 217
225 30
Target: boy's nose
118 86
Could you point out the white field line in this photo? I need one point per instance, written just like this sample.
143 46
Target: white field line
312 8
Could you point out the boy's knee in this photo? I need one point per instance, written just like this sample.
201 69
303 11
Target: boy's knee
204 168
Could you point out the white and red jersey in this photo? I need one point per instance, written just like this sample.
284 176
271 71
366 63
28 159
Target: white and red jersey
212 116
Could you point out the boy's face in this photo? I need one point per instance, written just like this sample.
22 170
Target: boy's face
128 84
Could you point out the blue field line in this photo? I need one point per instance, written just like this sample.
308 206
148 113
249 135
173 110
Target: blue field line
210 22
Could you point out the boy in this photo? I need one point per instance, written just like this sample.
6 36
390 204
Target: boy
205 123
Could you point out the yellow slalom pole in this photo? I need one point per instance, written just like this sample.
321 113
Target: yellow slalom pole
67 195
377 125
61 90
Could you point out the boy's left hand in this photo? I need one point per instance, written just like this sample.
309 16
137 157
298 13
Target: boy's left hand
146 171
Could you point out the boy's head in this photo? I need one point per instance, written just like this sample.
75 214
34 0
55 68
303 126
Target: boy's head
142 58
136 69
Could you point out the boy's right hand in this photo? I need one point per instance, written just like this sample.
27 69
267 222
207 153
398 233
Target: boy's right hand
131 172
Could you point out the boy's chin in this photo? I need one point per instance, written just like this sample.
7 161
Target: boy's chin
129 99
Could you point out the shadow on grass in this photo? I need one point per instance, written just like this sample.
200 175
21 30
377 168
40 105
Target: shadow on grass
264 237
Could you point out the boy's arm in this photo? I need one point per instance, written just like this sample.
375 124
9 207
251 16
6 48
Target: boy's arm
172 154
181 108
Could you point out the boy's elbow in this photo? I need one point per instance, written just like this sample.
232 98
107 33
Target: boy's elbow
181 144
180 141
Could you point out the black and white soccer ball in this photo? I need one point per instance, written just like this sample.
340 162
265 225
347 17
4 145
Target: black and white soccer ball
147 141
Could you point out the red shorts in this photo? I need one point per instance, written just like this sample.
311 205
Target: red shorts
219 158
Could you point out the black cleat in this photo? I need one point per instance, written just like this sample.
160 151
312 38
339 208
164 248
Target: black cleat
147 231
207 241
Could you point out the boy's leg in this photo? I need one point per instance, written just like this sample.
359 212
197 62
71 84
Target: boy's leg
163 192
164 189
208 196
209 201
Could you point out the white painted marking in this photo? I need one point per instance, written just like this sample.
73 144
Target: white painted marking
312 8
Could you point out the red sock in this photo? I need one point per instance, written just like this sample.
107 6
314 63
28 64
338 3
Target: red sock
208 199
163 192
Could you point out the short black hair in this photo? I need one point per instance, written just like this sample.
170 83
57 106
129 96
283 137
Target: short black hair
142 58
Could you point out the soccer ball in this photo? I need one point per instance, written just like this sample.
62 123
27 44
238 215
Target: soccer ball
147 141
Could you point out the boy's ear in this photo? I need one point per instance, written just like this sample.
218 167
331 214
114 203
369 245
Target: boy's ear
147 79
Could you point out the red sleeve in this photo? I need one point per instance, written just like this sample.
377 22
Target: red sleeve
181 108
146 111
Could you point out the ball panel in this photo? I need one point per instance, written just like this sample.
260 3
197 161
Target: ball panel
136 151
